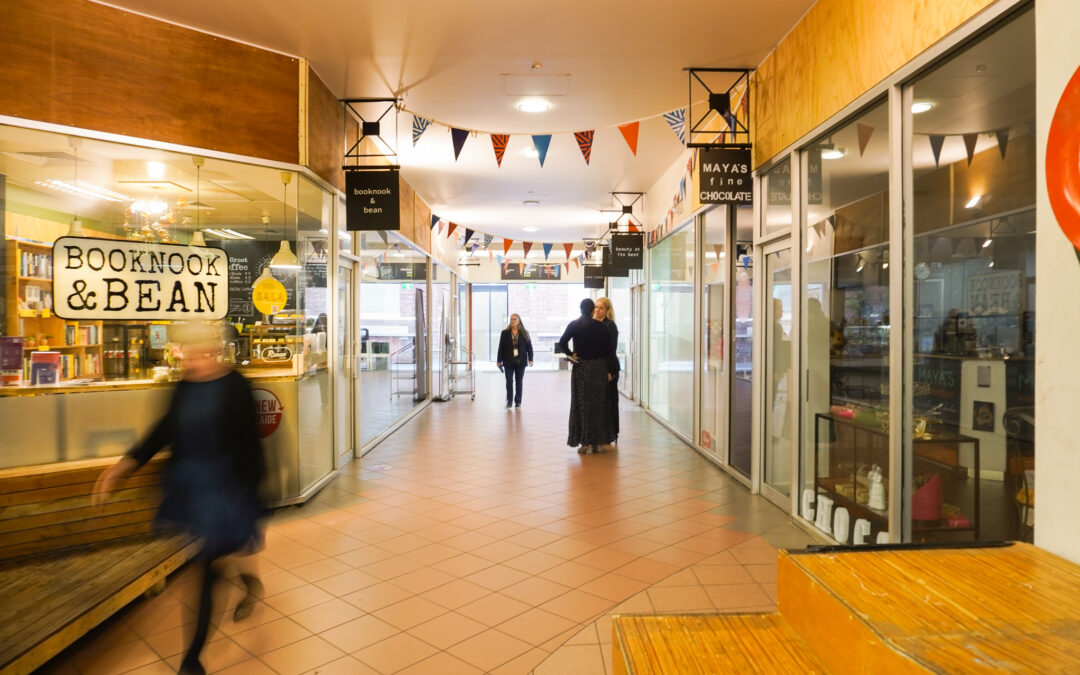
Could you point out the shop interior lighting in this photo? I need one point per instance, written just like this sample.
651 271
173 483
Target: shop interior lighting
973 202
156 170
534 105
197 238
284 258
919 107
237 235
83 189
265 276
530 152
833 153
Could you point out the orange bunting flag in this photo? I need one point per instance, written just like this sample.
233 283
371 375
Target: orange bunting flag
521 268
629 133
507 243
584 141
450 230
567 266
498 142
527 245
577 261
568 248
633 227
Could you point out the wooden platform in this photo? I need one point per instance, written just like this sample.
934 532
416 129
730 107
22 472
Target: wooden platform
1014 608
48 602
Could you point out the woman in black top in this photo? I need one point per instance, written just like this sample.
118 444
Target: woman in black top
605 314
515 350
213 475
590 421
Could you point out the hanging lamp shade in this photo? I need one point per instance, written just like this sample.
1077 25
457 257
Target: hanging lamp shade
197 239
284 258
76 228
263 277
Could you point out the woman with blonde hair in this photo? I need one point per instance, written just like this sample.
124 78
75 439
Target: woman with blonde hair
515 350
605 314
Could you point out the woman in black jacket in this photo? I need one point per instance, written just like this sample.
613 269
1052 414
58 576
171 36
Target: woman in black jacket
605 314
515 351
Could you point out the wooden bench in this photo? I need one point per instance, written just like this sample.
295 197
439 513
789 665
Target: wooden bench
66 566
1013 608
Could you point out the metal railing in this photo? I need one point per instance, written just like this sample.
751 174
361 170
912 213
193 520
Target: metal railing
403 370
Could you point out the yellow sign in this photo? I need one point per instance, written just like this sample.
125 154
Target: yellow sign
269 296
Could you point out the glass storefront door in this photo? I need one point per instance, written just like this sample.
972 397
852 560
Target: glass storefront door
714 404
345 372
742 364
781 402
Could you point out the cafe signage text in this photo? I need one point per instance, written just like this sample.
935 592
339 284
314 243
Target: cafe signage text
725 176
371 200
97 279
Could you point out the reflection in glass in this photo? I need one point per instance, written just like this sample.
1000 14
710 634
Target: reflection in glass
973 162
671 330
780 398
713 403
776 187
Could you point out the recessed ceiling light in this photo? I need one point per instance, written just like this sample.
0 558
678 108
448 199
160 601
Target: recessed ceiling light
155 170
832 153
530 152
530 229
534 105
531 202
921 107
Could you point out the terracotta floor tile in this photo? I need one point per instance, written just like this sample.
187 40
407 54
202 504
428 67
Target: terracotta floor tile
223 653
536 626
423 579
613 587
447 630
496 577
376 596
572 574
534 590
489 650
364 556
408 613
298 599
572 659
577 606
327 615
321 569
358 633
249 667
585 636
670 599
493 609
431 554
155 668
347 582
279 582
534 562
522 664
390 568
676 557
302 656
649 571
763 574
606 558
737 596
95 661
762 555
715 575
271 636
346 665
395 653
441 663
296 556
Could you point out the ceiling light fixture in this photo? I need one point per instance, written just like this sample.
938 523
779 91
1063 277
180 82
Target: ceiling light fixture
973 202
156 170
83 189
530 229
284 258
530 152
534 105
531 202
919 107
833 153
197 238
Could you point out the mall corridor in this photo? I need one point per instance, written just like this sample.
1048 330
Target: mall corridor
474 540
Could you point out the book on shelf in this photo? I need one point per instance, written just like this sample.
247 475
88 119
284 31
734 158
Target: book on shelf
44 367
11 360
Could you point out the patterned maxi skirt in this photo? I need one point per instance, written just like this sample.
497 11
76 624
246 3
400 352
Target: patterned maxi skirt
590 417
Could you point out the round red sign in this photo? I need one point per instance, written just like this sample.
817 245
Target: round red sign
268 411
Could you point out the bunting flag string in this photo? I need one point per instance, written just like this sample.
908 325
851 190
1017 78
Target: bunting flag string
498 258
547 250
419 126
969 145
527 246
1002 140
468 235
488 238
630 135
459 136
450 230
541 143
498 142
864 131
568 248
434 220
507 243
585 141
440 227
936 141
676 119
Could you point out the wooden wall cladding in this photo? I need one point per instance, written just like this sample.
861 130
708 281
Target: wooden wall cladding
406 195
85 65
325 132
422 223
836 53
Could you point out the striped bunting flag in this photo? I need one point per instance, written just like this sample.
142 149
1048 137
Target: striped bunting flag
487 240
585 141
676 119
498 142
419 126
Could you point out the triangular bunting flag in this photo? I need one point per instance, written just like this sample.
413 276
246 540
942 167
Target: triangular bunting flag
419 126
498 259
382 235
498 142
567 266
459 136
1002 139
468 235
507 243
719 250
490 254
527 245
865 131
936 141
629 133
547 250
521 268
450 230
676 119
969 144
584 141
434 219
541 143
633 227
474 247
577 261
440 227
487 240
568 248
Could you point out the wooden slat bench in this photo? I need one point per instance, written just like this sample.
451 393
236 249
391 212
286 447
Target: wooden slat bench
1012 608
66 566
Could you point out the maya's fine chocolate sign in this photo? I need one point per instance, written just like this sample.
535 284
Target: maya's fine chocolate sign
113 279
371 200
725 178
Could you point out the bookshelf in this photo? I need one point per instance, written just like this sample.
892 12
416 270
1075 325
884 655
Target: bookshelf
29 314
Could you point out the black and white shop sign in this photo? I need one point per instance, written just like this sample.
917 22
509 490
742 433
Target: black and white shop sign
725 177
114 279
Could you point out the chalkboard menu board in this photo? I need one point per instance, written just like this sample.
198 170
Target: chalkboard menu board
246 261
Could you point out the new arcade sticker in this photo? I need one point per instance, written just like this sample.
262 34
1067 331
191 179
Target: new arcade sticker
268 411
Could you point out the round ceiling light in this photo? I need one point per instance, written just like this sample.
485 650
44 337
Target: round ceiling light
530 229
921 106
832 153
531 202
534 105
530 152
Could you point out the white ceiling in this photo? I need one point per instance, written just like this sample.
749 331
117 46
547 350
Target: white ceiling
446 60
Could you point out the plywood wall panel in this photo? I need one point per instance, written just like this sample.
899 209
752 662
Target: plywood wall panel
86 65
325 132
837 52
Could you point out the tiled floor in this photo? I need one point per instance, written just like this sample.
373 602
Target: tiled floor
475 541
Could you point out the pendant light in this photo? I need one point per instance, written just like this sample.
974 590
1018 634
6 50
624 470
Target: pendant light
76 225
265 276
197 238
284 258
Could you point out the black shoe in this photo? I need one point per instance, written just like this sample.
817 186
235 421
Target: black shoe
508 406
517 405
191 668
247 604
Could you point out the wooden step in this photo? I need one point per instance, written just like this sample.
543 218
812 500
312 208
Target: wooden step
691 644
980 609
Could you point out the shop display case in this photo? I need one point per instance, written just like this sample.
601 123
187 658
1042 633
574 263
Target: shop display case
126 352
849 445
